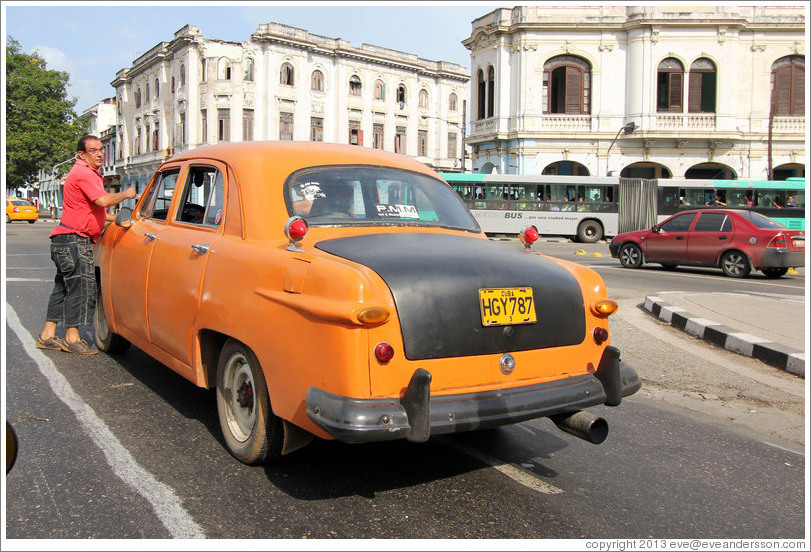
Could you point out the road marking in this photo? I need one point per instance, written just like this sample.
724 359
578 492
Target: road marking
168 508
684 275
29 279
519 475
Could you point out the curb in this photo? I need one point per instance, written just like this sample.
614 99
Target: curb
773 354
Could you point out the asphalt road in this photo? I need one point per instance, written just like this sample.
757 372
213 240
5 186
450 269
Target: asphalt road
120 447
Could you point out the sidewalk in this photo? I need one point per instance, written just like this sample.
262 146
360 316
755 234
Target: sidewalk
770 329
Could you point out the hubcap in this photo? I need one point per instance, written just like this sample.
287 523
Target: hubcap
239 397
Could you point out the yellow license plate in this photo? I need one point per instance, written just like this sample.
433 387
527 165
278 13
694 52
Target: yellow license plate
503 306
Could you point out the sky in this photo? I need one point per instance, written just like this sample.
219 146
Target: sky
92 41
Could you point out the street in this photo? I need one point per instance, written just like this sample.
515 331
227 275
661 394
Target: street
119 446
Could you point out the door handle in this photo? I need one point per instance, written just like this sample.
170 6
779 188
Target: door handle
150 236
679 237
722 237
201 248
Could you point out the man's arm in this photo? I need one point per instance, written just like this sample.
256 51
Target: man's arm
110 199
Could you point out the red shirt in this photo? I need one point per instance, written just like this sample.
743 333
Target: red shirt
83 186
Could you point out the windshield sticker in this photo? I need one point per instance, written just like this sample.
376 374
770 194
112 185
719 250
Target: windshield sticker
397 211
310 191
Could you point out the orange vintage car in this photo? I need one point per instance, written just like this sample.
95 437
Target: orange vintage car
347 293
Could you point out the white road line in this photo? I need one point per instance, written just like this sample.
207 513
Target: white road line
519 475
168 508
29 280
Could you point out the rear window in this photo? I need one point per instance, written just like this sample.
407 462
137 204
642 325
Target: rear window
763 222
20 203
362 195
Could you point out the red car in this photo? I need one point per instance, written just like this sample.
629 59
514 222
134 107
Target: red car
736 241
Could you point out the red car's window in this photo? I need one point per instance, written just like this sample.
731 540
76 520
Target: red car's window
679 223
761 221
713 222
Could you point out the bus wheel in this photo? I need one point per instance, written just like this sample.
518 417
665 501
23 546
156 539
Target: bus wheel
631 255
774 271
735 264
590 232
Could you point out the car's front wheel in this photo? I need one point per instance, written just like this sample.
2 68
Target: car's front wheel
630 255
252 432
774 271
735 264
106 340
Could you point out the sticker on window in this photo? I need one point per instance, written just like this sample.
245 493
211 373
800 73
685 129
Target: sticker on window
397 211
310 191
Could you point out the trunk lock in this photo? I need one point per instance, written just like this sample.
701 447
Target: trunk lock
507 364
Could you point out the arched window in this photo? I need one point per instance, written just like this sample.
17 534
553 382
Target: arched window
355 86
788 82
453 102
567 85
401 94
146 96
669 86
157 89
247 69
423 98
224 69
379 90
203 70
287 75
491 91
481 95
137 98
317 81
702 87
182 75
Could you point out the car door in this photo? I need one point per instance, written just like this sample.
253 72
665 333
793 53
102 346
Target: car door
669 242
132 255
709 237
179 260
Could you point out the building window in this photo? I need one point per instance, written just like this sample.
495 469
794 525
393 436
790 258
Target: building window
316 129
247 69
137 147
224 69
317 81
173 85
377 136
203 70
701 91
788 86
567 85
157 89
247 125
481 94
379 90
182 75
147 96
453 103
120 103
400 140
422 99
224 125
422 143
669 86
355 86
182 132
401 95
451 145
491 91
137 98
287 75
285 126
155 137
355 133
203 126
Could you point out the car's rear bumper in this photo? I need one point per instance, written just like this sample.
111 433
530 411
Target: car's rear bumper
418 415
782 258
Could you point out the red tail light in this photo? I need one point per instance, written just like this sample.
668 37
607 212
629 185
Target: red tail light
600 335
778 242
384 352
16 209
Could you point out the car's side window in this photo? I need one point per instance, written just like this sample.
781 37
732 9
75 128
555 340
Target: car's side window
160 195
202 200
713 222
679 223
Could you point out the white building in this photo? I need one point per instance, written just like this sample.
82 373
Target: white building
704 91
284 84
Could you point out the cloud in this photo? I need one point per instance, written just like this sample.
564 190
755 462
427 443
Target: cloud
54 58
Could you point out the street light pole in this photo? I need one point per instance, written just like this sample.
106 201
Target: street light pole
629 128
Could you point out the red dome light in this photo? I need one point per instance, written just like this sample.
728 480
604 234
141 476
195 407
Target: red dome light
529 236
384 352
600 335
297 230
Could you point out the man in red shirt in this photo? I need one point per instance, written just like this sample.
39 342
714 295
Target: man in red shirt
84 213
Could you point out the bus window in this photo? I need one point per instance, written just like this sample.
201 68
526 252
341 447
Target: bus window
671 197
738 198
463 190
795 198
693 196
775 199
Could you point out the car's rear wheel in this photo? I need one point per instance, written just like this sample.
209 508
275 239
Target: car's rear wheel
8 219
735 264
252 432
106 340
31 221
630 255
590 232
774 271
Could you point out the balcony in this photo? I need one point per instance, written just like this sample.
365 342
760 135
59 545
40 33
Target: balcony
789 124
684 121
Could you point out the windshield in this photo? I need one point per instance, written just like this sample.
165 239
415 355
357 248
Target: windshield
761 221
361 195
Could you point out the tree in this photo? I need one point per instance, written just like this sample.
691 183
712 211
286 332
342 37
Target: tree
41 126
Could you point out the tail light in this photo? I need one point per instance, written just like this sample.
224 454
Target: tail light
384 352
600 335
16 209
778 242
604 308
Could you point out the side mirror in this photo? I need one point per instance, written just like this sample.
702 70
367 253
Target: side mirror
655 229
124 217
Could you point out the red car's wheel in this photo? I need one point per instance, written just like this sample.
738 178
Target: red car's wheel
735 264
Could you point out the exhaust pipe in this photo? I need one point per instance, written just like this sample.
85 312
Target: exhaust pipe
582 424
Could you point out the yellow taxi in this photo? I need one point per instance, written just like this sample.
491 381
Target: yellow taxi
18 208
341 292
